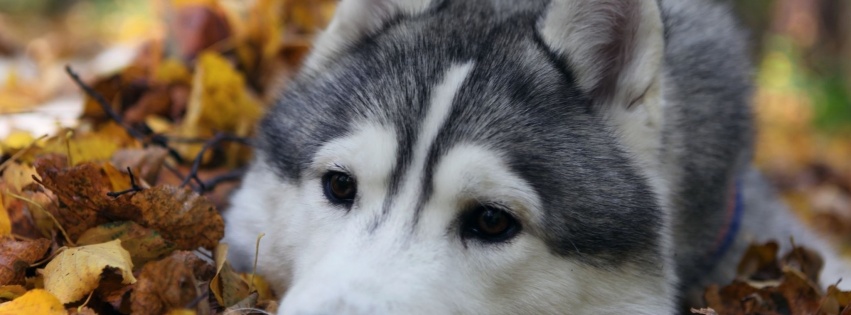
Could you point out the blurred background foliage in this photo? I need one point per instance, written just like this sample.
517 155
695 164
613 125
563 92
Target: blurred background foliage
801 49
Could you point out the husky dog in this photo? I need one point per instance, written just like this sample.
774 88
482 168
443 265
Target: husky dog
509 157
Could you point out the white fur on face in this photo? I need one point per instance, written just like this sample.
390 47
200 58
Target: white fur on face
325 260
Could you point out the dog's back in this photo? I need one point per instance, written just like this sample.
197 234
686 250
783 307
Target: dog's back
496 156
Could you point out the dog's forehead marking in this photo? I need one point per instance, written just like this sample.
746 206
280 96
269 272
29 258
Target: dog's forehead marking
440 105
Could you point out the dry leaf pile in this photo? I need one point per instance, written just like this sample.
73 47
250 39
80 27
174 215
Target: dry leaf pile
120 215
769 284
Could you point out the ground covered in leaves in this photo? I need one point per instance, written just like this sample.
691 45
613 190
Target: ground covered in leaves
119 213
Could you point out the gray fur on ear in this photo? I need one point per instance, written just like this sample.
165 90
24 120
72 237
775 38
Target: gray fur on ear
354 20
614 47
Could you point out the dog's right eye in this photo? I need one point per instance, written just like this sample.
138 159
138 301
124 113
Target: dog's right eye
490 224
340 188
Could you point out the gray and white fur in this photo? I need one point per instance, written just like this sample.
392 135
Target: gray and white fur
612 131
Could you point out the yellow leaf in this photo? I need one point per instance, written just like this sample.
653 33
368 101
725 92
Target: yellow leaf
75 272
260 286
18 140
5 222
83 148
172 71
34 302
143 244
227 285
18 175
181 311
11 292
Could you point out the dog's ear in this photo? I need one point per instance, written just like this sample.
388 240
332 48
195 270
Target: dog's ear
355 20
613 47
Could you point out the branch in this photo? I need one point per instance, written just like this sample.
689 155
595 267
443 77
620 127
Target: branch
107 108
133 186
196 164
231 176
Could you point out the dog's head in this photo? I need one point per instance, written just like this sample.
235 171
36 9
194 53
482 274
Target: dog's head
466 157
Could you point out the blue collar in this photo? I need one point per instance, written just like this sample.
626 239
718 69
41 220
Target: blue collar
734 212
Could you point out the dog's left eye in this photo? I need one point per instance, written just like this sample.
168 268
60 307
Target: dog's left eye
340 188
490 224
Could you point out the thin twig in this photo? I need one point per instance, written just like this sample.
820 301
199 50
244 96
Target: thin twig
104 104
133 186
107 108
197 300
231 176
196 164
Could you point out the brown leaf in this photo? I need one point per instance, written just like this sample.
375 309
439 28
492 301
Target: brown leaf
17 256
155 101
11 292
227 285
727 300
142 243
21 219
114 292
32 220
198 26
146 163
82 189
759 263
170 283
808 261
802 296
180 215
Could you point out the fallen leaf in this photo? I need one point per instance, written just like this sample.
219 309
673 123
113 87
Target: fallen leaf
82 189
260 285
146 163
802 296
143 244
11 292
759 263
809 262
113 291
31 218
17 176
219 103
81 148
197 26
249 302
5 221
16 256
33 302
75 272
85 310
16 140
227 286
170 283
35 282
179 214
